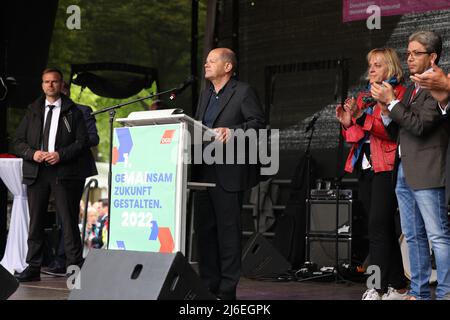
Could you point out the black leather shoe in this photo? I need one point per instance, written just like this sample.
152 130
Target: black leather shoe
29 274
55 270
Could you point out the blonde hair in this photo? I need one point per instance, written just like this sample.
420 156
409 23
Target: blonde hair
392 61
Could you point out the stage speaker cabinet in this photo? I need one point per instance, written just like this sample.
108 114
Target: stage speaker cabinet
322 251
322 217
8 283
131 275
261 259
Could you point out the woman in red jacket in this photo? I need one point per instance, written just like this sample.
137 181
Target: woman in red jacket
372 156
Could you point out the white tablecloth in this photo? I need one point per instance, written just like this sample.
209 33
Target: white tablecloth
16 245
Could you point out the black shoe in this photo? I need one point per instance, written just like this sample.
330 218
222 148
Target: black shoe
56 270
29 274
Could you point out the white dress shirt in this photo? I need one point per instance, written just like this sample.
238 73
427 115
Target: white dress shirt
54 123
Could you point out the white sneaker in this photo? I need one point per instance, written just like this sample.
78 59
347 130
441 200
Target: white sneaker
371 294
393 294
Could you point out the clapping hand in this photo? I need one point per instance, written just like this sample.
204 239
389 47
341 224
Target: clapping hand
344 116
351 107
436 81
384 94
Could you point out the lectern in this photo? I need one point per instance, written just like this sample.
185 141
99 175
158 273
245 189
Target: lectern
149 180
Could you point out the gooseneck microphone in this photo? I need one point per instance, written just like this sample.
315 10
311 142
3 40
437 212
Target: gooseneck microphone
312 123
182 87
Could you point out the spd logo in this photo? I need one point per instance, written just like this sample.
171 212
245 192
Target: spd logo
167 137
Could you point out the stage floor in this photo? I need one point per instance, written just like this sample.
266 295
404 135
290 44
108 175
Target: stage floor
54 288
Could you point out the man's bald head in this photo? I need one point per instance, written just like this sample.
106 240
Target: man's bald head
219 65
227 55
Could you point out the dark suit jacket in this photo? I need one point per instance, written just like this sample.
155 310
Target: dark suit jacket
88 167
447 177
71 139
239 108
423 137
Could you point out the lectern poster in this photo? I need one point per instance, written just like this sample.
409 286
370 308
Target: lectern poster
143 191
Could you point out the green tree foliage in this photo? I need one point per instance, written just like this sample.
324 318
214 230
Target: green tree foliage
150 33
87 97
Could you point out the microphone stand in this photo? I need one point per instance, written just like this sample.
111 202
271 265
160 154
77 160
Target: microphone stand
112 113
308 157
340 172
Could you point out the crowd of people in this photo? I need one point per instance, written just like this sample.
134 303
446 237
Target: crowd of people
96 227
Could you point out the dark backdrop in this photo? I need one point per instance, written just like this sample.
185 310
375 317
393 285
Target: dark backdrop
24 45
275 32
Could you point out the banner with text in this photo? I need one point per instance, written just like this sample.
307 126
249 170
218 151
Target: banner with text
356 9
143 191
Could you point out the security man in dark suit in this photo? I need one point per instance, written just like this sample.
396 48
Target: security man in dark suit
50 139
224 105
88 168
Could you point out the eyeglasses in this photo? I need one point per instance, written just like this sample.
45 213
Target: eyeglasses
416 54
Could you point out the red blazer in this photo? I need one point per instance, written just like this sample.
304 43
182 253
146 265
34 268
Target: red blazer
382 147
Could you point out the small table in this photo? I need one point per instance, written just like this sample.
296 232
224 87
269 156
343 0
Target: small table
16 244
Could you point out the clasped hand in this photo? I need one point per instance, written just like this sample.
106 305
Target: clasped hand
223 134
49 157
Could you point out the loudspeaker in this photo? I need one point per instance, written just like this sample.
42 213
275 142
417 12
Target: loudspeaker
322 250
261 259
131 275
322 217
8 284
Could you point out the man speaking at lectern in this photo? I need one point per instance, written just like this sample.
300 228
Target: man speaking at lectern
225 105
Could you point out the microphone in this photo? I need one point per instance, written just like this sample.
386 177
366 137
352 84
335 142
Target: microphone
182 87
311 123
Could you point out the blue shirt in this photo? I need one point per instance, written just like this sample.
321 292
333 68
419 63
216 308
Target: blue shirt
213 106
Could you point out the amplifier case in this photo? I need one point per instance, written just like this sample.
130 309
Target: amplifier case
322 217
322 251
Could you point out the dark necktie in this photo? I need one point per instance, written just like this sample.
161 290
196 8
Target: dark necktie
48 121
